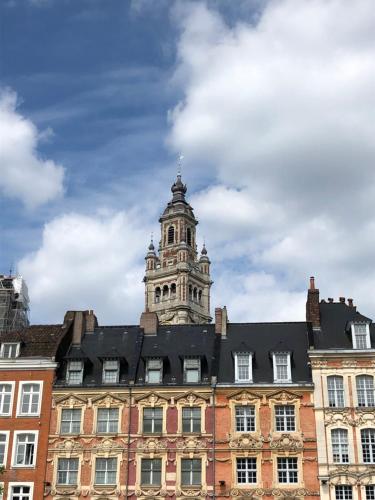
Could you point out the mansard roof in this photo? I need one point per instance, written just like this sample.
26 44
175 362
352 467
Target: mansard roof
335 319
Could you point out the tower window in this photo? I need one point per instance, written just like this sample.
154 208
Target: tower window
195 295
157 294
190 292
173 290
170 235
200 296
165 292
188 236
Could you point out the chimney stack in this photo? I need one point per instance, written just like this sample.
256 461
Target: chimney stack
350 302
78 327
149 322
342 300
221 321
91 321
312 305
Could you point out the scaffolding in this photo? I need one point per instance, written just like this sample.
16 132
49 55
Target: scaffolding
14 303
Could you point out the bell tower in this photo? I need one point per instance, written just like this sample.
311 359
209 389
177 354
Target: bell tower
177 282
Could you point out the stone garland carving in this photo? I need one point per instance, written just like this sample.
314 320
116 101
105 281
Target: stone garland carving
275 492
152 399
151 492
363 416
246 441
152 445
349 363
190 443
286 442
191 492
284 396
191 398
317 363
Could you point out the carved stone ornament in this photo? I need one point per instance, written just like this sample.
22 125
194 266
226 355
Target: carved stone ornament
344 477
364 416
69 446
246 441
318 363
244 396
151 492
192 492
190 443
191 398
69 400
286 442
152 399
107 445
106 491
274 492
107 400
336 416
349 363
152 445
284 395
64 491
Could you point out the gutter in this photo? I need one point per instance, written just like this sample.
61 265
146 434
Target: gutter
128 442
214 435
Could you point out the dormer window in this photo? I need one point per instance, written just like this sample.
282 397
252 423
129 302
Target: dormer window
10 350
281 367
74 374
111 371
243 367
192 370
154 371
361 336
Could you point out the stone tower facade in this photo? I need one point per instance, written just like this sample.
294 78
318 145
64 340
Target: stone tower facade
177 282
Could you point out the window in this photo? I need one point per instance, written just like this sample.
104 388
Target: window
74 374
245 418
154 371
110 371
340 450
105 470
173 290
6 391
165 292
365 390
281 367
151 472
29 403
107 420
361 336
153 420
191 419
10 350
67 470
3 448
191 470
243 367
170 235
370 492
368 445
25 446
287 470
246 470
21 492
192 370
157 294
285 418
70 421
335 386
188 236
343 492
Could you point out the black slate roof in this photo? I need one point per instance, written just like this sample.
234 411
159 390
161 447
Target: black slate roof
335 332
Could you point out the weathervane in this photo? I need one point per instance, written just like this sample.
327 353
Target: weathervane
179 164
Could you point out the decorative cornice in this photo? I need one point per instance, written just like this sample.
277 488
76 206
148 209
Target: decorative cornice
273 492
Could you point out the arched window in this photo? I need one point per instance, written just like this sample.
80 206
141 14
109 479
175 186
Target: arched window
195 295
157 294
335 385
188 236
170 235
190 292
365 390
340 447
165 292
200 296
368 445
173 290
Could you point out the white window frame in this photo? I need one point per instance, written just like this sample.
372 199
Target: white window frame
68 471
285 419
14 450
19 398
336 392
367 393
106 470
247 420
289 369
160 360
248 470
372 494
20 483
343 486
198 360
340 445
288 470
354 336
6 446
17 344
105 361
152 470
12 384
108 420
81 371
80 421
236 367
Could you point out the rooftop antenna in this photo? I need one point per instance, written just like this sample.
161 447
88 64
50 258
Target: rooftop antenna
179 164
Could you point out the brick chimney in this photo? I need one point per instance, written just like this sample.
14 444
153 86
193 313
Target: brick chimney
221 321
312 305
78 327
149 322
90 321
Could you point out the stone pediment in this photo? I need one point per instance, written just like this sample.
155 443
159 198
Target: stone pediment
152 399
70 400
108 399
191 398
244 395
284 395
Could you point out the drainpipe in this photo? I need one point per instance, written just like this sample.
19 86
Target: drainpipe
128 442
213 382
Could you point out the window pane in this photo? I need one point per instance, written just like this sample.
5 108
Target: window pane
340 450
5 396
335 386
365 390
285 418
246 470
70 421
368 445
343 492
245 418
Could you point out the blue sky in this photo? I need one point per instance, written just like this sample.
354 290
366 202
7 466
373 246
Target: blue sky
271 112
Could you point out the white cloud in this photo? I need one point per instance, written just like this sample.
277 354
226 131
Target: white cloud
281 112
88 262
24 175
